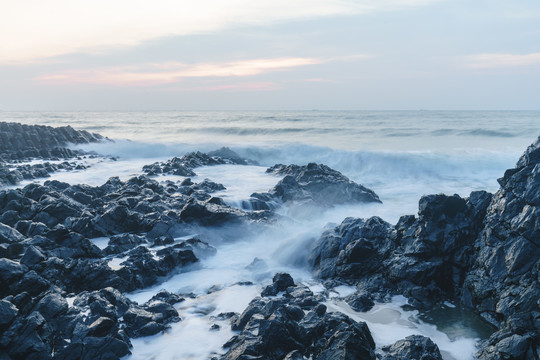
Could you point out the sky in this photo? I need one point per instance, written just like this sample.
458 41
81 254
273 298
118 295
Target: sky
64 55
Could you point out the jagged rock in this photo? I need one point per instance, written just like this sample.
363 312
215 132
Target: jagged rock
184 165
482 251
412 347
8 311
9 234
10 271
277 328
312 184
32 256
52 305
280 282
121 243
360 301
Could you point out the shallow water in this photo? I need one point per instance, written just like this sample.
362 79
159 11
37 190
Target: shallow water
400 155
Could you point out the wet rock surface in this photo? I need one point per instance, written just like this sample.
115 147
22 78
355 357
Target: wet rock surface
20 142
482 251
61 295
312 185
412 347
184 166
296 326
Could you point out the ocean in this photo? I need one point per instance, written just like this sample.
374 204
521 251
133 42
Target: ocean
401 155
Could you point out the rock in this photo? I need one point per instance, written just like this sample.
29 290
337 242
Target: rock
32 283
184 165
227 154
52 305
106 348
32 256
8 311
207 214
9 234
355 248
277 328
29 339
167 297
152 318
121 243
482 251
10 271
280 282
360 301
318 184
412 347
25 142
101 327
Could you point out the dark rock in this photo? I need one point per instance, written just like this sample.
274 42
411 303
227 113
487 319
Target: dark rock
29 339
32 283
121 243
276 328
9 234
8 311
280 282
360 301
103 348
101 327
168 297
10 271
52 305
32 256
319 185
412 347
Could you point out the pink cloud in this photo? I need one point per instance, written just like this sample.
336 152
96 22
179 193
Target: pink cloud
171 72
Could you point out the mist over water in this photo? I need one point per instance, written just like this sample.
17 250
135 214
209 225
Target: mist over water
400 155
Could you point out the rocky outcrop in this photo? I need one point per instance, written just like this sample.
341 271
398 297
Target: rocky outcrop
312 185
25 142
503 284
296 326
412 347
184 166
18 141
14 174
61 294
482 251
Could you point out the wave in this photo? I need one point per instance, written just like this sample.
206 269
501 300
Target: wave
369 167
490 133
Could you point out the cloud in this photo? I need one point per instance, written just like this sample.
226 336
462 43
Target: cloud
170 72
33 30
501 60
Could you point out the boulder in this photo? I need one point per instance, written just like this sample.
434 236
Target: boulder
412 347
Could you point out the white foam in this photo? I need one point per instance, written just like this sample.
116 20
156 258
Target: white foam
240 181
389 322
191 338
101 242
115 263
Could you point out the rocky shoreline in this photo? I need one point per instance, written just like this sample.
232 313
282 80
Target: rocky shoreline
21 143
63 297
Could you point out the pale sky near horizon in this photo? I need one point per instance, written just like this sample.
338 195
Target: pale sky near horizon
269 54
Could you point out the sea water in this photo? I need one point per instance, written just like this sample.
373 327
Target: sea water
400 155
